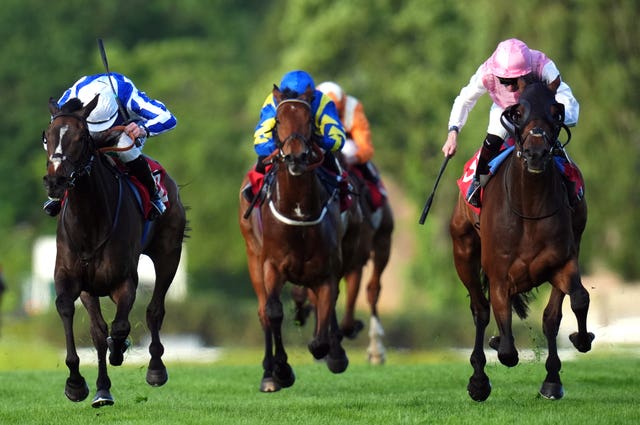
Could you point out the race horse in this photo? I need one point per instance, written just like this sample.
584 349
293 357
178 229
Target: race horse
100 236
294 236
526 234
373 244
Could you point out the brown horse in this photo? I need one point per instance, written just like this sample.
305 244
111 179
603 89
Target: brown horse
372 243
295 236
526 234
101 235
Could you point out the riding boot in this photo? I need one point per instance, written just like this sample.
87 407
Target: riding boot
260 167
139 168
490 148
369 172
52 207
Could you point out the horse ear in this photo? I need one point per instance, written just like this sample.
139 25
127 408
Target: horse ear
308 94
86 110
53 106
277 94
553 86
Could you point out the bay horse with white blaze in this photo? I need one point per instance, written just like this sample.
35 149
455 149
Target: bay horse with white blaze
526 234
294 236
101 235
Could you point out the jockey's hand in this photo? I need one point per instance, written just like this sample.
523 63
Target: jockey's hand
135 131
451 145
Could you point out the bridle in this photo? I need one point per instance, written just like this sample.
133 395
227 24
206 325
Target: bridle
551 141
85 164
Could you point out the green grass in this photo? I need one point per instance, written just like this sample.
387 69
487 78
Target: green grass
412 388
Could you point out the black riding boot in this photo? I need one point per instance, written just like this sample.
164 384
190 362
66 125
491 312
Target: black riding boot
490 148
140 170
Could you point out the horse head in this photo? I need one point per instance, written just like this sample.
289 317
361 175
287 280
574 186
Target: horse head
68 144
535 121
294 132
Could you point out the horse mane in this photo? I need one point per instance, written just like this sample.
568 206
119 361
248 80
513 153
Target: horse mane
72 105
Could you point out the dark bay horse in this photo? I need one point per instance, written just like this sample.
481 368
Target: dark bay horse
101 234
295 236
527 234
372 244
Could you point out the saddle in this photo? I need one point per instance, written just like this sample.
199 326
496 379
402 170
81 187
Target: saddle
572 176
142 195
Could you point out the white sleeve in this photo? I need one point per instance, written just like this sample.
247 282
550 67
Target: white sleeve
571 105
466 100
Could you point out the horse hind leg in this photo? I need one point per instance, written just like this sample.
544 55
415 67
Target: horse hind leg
165 269
349 325
382 249
99 332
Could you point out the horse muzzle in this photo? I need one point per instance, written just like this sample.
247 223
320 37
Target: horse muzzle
56 186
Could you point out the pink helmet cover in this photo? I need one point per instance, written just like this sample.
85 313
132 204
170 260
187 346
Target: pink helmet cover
511 59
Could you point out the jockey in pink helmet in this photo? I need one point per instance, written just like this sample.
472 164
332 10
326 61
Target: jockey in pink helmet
501 76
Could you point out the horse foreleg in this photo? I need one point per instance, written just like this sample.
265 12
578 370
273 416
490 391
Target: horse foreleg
76 388
99 333
501 303
120 327
282 372
479 387
580 305
319 345
349 325
552 385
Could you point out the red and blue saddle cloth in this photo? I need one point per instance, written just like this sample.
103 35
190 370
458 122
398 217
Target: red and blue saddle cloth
142 194
570 171
377 191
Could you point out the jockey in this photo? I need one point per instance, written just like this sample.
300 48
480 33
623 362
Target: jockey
512 60
328 130
358 148
145 117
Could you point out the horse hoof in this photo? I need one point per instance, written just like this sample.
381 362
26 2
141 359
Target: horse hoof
284 376
551 391
479 389
269 385
102 398
377 359
509 359
494 342
116 357
76 392
338 364
352 333
582 344
157 377
319 350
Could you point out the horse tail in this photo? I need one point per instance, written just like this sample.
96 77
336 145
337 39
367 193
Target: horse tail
520 303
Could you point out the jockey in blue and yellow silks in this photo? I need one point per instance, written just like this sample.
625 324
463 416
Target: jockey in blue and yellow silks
329 132
327 124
